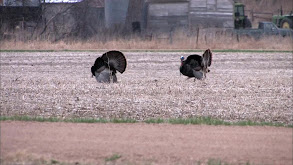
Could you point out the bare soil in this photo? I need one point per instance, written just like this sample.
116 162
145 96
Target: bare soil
240 86
146 143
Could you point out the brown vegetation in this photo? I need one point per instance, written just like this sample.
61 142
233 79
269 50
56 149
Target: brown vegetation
207 38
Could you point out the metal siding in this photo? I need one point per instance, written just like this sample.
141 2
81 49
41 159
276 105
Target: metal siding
173 9
198 3
167 15
204 22
115 12
211 13
211 5
202 13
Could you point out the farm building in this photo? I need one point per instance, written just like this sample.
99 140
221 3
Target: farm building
165 15
81 19
53 17
18 14
170 14
73 17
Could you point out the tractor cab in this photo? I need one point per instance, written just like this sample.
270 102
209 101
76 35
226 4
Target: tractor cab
240 19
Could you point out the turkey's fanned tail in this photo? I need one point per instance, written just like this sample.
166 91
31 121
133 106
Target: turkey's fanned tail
116 60
207 58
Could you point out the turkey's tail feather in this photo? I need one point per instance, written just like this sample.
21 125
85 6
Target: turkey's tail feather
206 61
116 60
207 58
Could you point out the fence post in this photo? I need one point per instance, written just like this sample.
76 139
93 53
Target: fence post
252 16
197 35
171 36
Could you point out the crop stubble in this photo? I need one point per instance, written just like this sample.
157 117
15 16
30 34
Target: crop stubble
240 86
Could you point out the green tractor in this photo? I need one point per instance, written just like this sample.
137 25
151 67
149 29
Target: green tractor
240 19
283 21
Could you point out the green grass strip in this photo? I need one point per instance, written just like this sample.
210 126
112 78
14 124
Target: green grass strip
154 121
199 120
185 121
115 120
113 157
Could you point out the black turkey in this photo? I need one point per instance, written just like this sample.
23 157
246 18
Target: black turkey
196 66
106 66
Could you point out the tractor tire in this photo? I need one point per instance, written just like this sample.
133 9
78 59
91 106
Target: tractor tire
286 23
247 23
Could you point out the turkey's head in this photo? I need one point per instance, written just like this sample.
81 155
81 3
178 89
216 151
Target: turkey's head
182 59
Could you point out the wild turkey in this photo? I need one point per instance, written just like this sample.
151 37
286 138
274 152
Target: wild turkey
105 67
195 65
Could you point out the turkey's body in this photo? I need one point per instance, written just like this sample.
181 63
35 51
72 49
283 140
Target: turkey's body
191 67
106 66
195 65
106 76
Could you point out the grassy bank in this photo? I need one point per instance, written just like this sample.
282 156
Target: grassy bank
185 121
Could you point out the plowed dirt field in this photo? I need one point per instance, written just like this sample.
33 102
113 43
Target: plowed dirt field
240 86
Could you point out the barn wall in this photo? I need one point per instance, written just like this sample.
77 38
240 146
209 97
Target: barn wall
115 12
211 13
169 14
58 17
135 13
166 16
20 2
73 19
